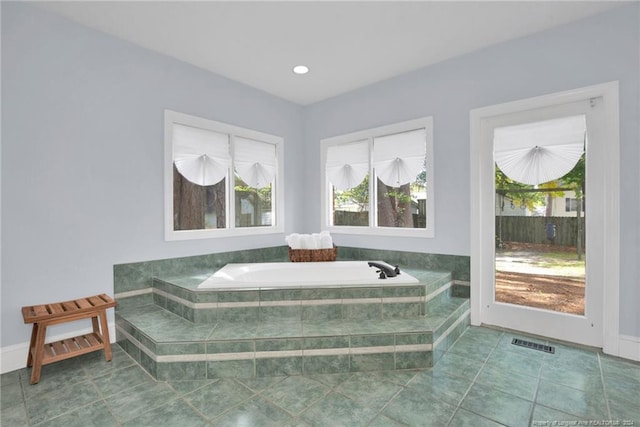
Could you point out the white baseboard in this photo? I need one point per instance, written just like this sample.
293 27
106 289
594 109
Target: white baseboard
14 357
629 347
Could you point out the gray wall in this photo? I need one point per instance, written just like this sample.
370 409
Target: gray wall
82 161
597 50
82 145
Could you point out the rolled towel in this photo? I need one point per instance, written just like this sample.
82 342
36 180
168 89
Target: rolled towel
309 242
326 242
317 239
294 240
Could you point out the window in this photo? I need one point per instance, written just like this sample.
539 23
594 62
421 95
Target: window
380 181
220 180
571 205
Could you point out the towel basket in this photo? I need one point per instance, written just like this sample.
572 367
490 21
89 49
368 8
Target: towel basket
313 255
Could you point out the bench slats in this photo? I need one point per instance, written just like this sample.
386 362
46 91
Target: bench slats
37 313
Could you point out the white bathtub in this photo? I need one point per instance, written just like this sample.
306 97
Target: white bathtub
272 275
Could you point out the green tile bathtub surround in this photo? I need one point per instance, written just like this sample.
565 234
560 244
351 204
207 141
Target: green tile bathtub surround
278 344
216 347
329 328
203 315
362 311
234 331
180 330
498 406
413 359
231 369
238 296
405 309
148 364
239 315
280 294
133 302
320 293
413 339
215 399
271 367
372 362
166 371
350 293
311 343
132 276
279 313
371 340
279 329
321 312
255 412
325 364
404 291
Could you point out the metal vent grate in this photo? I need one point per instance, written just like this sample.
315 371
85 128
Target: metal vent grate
533 345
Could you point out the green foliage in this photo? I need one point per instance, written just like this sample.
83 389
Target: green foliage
358 195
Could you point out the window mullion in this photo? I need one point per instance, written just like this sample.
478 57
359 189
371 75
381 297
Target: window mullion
373 194
231 193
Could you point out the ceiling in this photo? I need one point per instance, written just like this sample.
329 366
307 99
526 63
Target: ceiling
346 45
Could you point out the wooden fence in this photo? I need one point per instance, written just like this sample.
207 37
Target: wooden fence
533 229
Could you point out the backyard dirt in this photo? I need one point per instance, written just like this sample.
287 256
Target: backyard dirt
547 291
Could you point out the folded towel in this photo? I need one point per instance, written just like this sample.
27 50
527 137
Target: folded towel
326 242
294 241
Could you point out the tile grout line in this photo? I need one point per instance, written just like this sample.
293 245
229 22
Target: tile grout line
604 388
473 381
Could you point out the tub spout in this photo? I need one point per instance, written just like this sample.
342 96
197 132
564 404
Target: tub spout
386 270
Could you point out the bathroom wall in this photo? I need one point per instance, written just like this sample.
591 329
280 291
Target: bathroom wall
82 157
82 145
596 50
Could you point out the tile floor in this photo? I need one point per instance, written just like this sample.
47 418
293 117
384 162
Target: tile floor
483 380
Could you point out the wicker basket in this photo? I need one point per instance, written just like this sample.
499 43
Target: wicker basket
313 255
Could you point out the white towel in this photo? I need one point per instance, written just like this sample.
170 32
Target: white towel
326 242
294 241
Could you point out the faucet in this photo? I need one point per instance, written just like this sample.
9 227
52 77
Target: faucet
385 270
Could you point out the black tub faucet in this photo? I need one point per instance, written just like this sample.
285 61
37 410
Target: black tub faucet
385 269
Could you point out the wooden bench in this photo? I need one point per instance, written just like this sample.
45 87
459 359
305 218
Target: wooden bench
45 315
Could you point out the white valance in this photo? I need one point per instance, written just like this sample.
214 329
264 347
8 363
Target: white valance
534 153
200 155
347 164
255 161
400 157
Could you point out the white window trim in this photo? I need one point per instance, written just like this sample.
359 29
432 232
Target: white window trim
171 117
369 134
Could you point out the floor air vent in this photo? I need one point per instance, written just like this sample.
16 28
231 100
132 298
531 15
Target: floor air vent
533 345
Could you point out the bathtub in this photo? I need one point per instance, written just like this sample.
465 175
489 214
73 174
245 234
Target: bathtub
272 275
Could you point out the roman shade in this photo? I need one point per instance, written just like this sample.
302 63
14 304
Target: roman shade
539 152
347 164
255 161
400 157
200 155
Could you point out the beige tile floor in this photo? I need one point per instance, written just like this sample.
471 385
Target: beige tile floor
483 380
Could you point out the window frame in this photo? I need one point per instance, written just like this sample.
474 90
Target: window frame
372 229
278 208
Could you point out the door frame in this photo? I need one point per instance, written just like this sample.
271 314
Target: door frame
483 211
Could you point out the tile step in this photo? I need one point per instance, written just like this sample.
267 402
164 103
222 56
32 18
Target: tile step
170 347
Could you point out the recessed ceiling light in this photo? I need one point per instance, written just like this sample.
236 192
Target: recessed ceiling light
301 69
